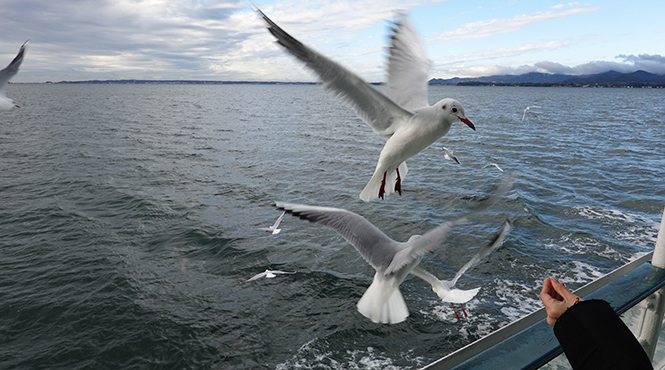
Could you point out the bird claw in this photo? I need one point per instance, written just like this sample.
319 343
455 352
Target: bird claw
398 183
463 311
382 189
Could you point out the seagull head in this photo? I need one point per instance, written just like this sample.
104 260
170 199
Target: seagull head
452 109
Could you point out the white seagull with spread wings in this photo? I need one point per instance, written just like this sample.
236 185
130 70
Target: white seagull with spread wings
274 228
402 115
382 302
6 74
446 290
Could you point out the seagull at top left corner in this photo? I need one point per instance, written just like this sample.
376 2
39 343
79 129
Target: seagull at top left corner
402 115
6 74
274 228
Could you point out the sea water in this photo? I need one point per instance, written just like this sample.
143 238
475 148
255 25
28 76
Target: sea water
130 216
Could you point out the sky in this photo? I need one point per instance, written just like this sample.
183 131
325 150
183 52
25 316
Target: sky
225 40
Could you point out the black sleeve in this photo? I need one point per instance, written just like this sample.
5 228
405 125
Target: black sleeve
593 337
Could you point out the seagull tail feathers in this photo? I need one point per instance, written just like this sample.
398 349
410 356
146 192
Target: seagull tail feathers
383 302
371 190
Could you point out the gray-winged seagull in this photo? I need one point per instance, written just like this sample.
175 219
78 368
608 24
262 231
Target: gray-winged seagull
382 302
446 290
402 115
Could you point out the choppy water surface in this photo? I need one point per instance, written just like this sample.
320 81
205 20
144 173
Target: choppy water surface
129 219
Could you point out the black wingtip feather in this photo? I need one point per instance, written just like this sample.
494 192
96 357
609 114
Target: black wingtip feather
310 218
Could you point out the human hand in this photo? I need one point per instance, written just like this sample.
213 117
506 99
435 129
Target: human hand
556 299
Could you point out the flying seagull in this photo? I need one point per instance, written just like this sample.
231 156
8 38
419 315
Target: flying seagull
446 290
402 115
526 109
448 154
493 164
274 228
269 274
382 302
6 74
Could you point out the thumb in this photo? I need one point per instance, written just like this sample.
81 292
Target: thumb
563 291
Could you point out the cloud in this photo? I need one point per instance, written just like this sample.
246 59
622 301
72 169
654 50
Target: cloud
499 53
133 39
631 63
480 29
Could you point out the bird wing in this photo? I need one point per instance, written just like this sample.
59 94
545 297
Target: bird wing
279 220
373 107
408 67
427 276
258 276
417 247
485 251
278 272
375 246
12 69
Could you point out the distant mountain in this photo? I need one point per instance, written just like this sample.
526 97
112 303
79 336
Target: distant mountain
606 79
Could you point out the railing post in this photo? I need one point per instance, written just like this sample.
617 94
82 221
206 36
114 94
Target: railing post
653 308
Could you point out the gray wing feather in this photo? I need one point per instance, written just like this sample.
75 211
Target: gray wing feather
12 69
376 109
418 247
408 68
433 238
375 246
485 251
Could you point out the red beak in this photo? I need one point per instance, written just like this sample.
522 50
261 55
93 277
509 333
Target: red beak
468 123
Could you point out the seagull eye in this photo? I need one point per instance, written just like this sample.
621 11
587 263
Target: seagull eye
454 110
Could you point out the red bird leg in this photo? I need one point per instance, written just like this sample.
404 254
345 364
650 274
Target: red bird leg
462 306
398 183
382 189
455 311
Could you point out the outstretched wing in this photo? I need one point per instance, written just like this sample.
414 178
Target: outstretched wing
433 238
375 246
12 69
408 67
376 109
485 251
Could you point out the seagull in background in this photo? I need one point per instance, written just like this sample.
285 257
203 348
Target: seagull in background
269 274
448 154
493 164
402 116
446 290
274 228
526 109
6 74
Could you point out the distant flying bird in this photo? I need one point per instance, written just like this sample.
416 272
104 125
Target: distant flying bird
526 109
274 228
493 164
6 74
448 154
382 302
446 290
402 116
269 274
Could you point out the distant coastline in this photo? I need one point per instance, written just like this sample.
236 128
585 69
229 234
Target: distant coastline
610 79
